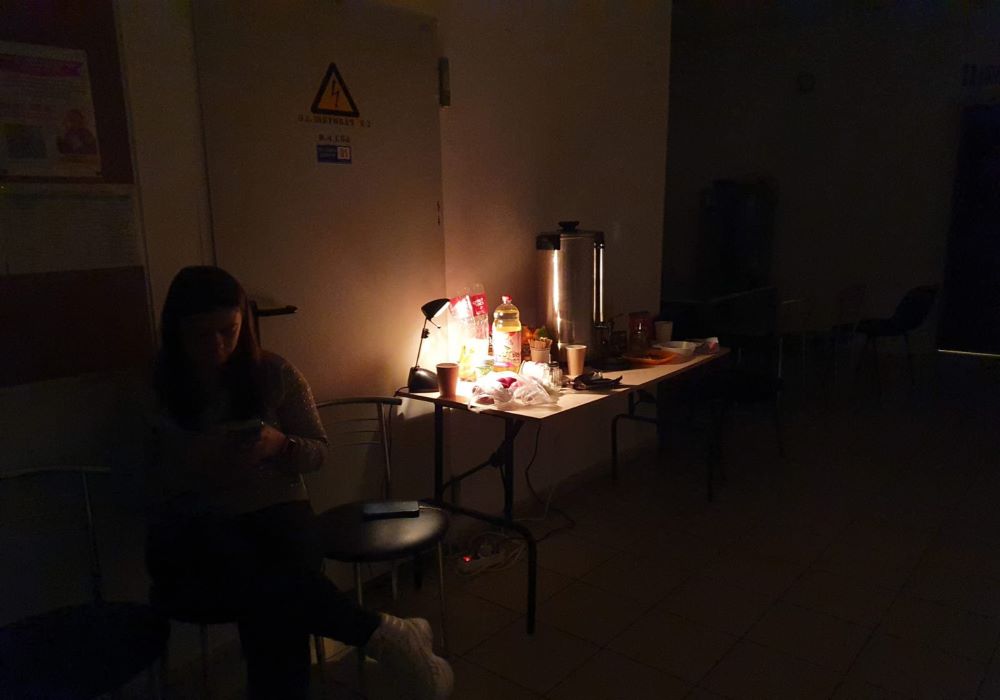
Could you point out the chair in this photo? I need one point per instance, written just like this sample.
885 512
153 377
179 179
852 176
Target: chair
847 315
747 323
345 535
793 323
84 650
909 315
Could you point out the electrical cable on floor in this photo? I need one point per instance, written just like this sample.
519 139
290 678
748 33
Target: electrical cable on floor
570 521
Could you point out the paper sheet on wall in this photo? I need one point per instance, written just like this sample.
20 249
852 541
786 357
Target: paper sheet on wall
45 228
46 113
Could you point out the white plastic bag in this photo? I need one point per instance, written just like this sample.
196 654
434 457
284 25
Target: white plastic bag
508 390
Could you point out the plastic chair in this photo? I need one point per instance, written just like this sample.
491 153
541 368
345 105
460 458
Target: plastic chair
346 536
910 314
83 650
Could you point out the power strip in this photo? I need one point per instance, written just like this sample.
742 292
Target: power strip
471 563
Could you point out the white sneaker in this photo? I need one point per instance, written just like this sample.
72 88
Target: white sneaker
405 648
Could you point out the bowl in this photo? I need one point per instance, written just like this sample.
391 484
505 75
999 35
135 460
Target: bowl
684 348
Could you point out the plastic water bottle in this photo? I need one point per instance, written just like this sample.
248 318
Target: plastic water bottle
506 336
480 310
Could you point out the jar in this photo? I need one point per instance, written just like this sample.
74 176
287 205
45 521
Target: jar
556 376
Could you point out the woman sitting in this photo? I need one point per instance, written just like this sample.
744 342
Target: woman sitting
232 535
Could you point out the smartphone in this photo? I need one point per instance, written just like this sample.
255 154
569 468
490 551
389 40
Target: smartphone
379 510
246 432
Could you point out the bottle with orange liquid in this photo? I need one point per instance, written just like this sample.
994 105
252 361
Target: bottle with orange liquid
506 336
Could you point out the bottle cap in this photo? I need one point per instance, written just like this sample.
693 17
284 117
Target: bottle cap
505 299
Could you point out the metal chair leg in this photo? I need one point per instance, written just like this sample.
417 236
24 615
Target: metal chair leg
164 669
206 688
614 448
361 601
779 433
444 616
909 360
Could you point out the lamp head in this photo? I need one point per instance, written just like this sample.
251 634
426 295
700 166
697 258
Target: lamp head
433 308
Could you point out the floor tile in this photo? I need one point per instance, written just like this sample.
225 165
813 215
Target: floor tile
611 676
509 587
963 555
751 671
673 644
914 670
476 683
613 530
538 661
822 639
646 579
794 545
855 689
840 596
990 687
969 591
670 542
573 556
755 572
949 629
716 604
591 613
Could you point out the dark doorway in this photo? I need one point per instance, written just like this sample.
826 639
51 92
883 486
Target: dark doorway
970 320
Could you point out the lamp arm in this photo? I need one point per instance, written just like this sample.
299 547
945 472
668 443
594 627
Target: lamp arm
423 334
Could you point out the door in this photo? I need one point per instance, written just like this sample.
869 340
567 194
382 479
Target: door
970 319
323 153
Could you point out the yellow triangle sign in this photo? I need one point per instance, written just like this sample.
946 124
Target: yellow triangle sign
333 96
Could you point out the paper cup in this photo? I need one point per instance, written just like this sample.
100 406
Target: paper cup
575 355
541 355
448 379
664 331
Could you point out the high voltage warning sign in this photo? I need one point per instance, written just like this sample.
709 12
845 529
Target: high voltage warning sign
333 96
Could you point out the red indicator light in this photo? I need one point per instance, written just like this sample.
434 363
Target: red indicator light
466 558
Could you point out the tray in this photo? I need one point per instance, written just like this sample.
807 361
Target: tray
655 357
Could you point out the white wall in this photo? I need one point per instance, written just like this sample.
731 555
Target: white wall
863 164
558 112
158 65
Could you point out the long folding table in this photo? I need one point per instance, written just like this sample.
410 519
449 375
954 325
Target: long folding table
633 382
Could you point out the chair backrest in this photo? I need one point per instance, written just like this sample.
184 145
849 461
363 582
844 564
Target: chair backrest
747 322
360 421
850 303
792 316
38 513
913 308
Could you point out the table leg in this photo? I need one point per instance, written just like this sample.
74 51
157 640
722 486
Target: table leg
509 433
506 454
438 453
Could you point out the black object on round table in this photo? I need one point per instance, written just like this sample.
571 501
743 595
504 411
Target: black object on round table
79 652
344 535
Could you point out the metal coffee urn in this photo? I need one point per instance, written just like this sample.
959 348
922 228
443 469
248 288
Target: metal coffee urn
571 275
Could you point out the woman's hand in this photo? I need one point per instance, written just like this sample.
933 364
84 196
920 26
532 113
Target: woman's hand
270 444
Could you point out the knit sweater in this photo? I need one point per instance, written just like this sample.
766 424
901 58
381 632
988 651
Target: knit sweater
182 485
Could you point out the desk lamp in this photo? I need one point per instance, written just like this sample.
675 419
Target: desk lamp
421 379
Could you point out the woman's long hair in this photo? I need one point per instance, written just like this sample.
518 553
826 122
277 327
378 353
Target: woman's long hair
197 290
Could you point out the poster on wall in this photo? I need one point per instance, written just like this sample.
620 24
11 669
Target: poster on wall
46 113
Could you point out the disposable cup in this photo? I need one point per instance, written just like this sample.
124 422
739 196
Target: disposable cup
448 379
664 331
541 355
575 355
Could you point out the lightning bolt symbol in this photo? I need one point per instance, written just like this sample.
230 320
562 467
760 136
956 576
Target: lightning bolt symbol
335 91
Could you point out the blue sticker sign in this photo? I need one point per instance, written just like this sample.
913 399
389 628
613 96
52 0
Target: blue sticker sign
326 153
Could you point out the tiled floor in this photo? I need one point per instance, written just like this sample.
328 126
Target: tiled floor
865 565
